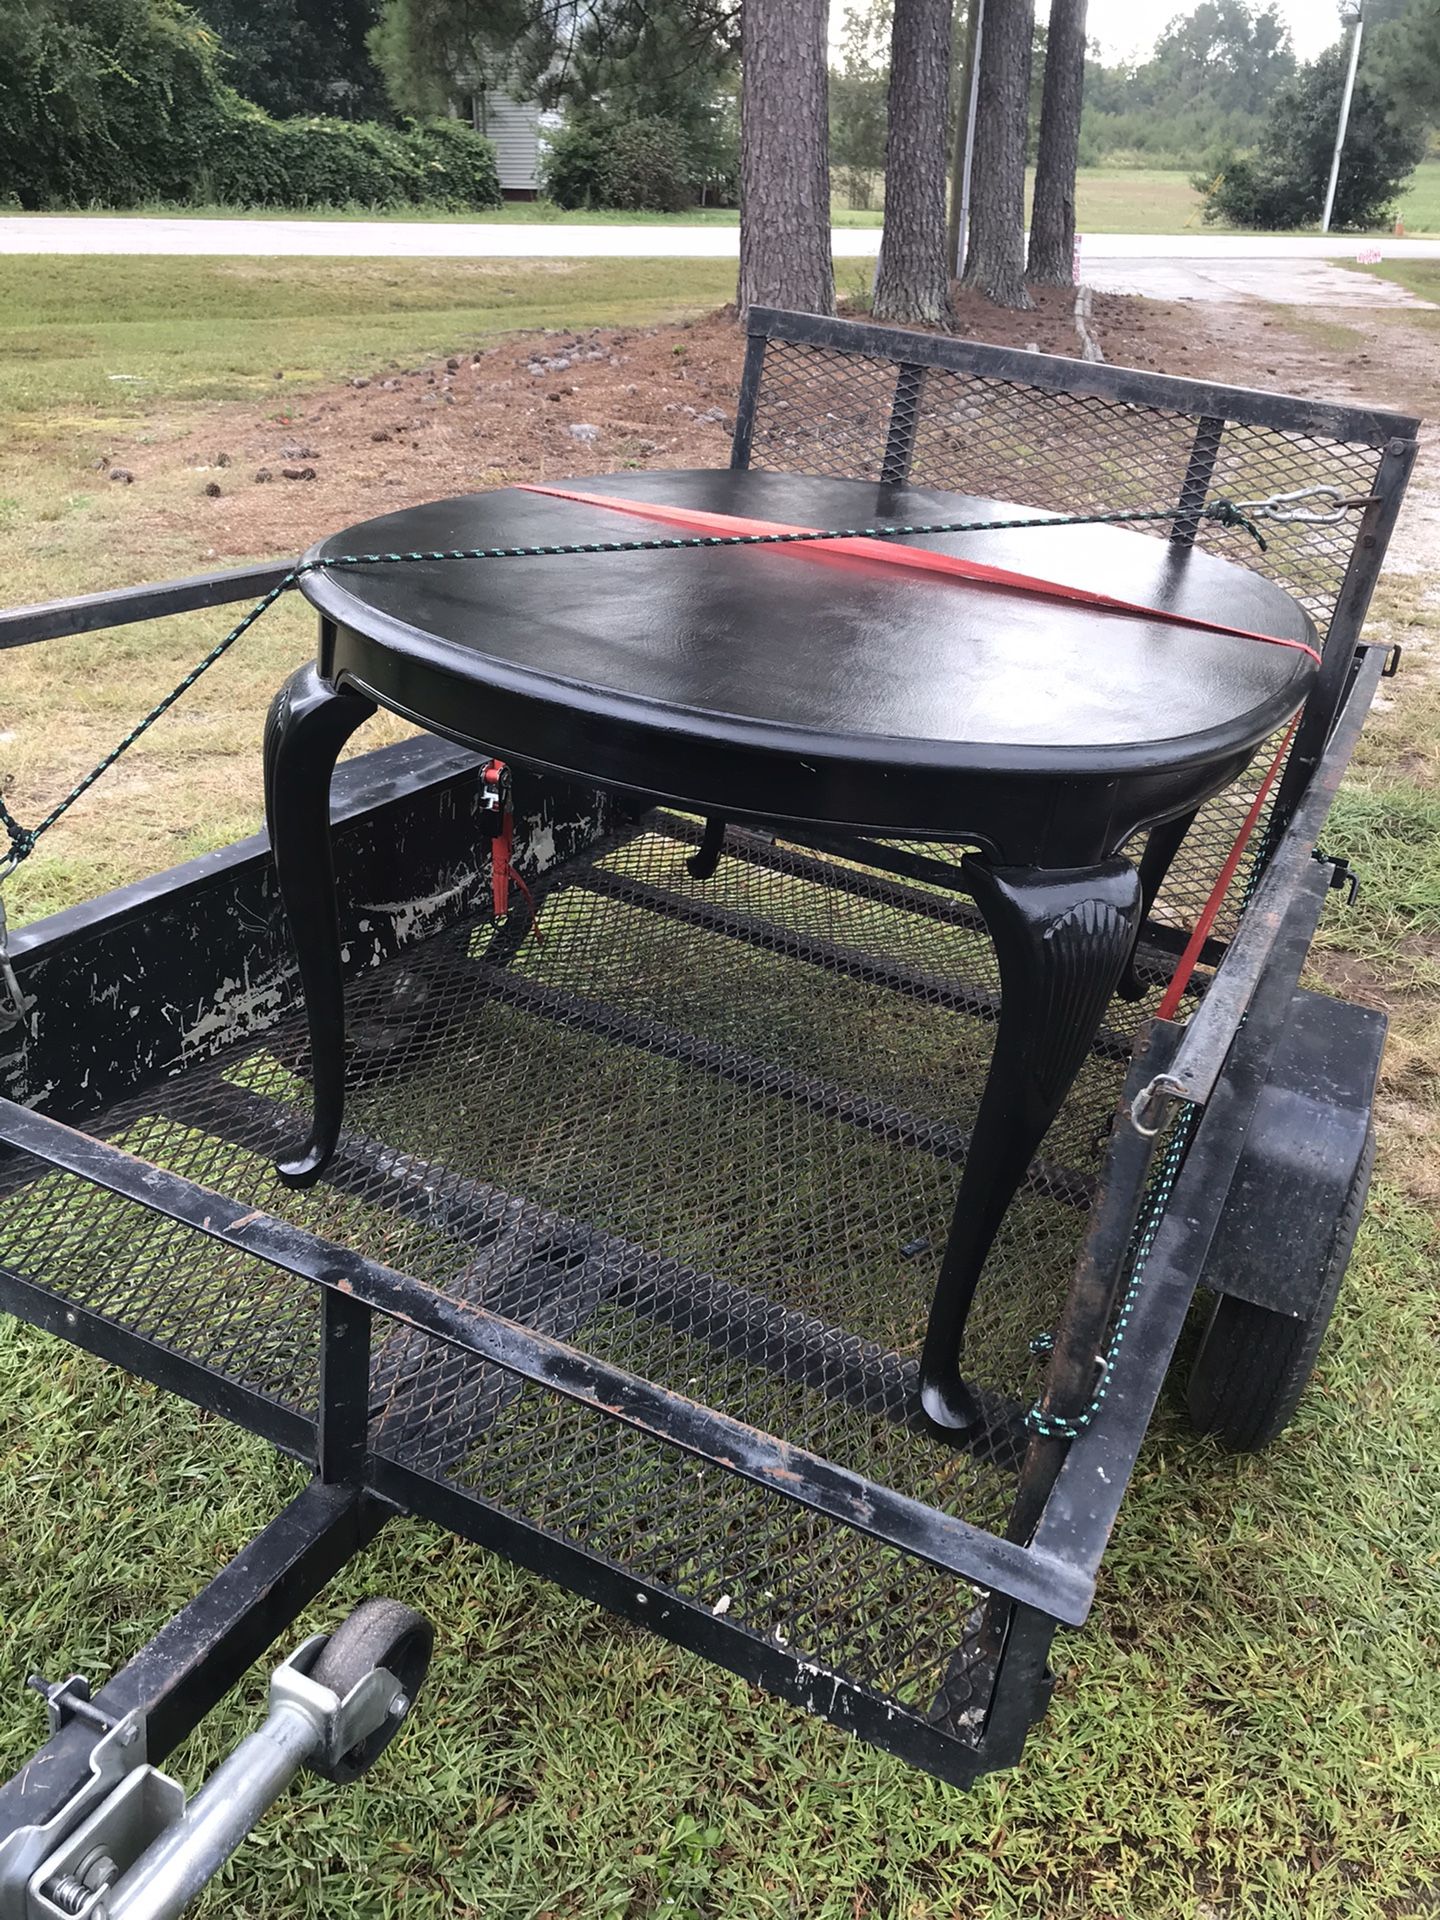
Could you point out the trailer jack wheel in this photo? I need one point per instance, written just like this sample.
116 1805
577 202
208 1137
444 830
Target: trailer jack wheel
383 1636
129 1847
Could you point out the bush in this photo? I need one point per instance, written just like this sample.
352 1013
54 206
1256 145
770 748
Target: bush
1282 184
257 161
103 102
149 120
458 164
599 160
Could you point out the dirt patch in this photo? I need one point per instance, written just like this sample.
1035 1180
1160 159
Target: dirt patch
245 481
1386 359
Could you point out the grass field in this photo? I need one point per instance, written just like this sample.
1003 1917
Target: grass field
1249 1727
1421 277
176 330
1107 200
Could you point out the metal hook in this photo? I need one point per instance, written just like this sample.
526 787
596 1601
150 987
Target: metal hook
1281 507
15 1006
1150 1103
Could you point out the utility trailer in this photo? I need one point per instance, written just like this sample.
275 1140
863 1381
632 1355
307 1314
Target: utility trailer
622 1262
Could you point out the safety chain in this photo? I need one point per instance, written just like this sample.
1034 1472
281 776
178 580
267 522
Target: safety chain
1048 1426
1244 514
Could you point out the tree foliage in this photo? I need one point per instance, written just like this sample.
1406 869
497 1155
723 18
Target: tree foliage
103 101
643 59
859 87
1205 88
650 59
434 52
317 162
599 160
1402 57
1282 184
300 56
122 102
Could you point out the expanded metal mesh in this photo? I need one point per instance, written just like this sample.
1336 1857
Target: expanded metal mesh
821 410
709 1131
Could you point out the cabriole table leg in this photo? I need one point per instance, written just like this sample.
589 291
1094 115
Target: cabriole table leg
308 724
1062 939
1161 846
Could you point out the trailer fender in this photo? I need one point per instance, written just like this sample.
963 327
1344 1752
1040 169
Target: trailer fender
1304 1143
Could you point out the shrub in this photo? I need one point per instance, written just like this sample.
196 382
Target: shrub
257 161
118 103
599 160
652 166
103 102
1282 184
457 164
575 166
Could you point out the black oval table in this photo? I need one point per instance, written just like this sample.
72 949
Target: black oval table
850 695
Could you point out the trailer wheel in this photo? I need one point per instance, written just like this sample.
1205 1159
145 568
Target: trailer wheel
1253 1364
379 1633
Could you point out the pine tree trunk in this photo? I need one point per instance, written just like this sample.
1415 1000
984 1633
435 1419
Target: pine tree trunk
912 280
785 256
995 261
1052 221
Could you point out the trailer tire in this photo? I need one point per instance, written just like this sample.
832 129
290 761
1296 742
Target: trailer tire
1253 1364
379 1633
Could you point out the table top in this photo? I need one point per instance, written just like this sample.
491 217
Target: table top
756 667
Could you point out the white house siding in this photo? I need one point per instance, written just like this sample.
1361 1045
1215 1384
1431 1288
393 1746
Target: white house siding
515 127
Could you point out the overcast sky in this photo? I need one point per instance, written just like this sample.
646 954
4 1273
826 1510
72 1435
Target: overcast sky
1126 27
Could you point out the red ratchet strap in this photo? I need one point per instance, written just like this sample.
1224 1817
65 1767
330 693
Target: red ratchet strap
1180 979
896 553
495 778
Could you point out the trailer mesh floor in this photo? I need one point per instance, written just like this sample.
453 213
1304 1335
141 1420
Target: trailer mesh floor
709 1131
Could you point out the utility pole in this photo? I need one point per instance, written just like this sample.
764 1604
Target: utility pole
957 233
1350 13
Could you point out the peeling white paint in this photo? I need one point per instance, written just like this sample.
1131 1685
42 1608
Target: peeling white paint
408 915
239 1008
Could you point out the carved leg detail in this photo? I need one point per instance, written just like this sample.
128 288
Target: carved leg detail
1062 940
309 723
1161 847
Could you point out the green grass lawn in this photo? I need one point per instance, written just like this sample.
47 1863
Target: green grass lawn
524 213
1247 1729
1420 277
1108 200
83 340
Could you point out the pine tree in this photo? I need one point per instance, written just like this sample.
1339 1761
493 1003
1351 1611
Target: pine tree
1052 220
785 258
912 281
995 258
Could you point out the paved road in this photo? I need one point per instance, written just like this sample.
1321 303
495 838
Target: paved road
1294 268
